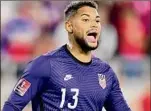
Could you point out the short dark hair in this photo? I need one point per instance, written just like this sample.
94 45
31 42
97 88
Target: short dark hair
72 8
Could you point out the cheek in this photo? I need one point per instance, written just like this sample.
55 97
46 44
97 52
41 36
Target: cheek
100 27
80 29
76 27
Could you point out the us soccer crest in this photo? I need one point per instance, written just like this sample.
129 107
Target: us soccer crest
102 80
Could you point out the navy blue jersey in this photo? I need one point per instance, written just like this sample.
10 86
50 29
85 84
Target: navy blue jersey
57 81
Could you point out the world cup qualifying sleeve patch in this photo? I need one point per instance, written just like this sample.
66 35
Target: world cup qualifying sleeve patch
22 86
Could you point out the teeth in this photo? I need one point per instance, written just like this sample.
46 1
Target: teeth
92 32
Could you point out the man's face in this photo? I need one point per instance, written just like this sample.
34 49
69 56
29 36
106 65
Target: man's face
86 28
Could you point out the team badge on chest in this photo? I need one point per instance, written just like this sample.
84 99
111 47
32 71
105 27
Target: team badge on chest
102 80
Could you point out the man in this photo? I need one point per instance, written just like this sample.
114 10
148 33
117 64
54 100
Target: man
70 78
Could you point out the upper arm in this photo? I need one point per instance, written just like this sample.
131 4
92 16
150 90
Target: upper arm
29 85
115 100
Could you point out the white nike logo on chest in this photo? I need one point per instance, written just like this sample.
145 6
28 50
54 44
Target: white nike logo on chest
68 77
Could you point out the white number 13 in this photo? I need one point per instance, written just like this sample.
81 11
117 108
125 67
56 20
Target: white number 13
75 97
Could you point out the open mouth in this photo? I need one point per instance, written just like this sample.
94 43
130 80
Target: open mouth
92 37
94 34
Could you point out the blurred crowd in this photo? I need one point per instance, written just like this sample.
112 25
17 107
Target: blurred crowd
32 28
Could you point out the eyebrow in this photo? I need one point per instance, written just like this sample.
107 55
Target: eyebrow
85 15
89 15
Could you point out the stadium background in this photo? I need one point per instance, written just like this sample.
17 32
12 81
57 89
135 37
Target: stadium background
31 28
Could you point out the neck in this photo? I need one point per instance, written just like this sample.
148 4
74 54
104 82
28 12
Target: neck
79 54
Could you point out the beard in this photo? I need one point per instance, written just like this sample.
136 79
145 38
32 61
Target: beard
84 45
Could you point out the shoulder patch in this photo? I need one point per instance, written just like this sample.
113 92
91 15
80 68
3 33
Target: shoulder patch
22 86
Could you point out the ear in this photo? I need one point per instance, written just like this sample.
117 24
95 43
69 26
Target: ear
68 26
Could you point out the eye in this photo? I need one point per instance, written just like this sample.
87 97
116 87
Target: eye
98 21
85 20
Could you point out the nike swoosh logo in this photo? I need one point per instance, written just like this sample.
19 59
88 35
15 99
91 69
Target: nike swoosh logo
67 77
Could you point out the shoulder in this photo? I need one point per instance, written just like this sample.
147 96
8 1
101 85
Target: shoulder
41 65
102 64
38 66
106 68
58 52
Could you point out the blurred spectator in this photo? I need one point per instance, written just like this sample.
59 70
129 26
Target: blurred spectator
132 35
34 11
20 33
132 38
143 9
44 43
56 12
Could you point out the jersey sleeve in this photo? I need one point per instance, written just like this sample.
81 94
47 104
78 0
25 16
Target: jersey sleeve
115 100
29 85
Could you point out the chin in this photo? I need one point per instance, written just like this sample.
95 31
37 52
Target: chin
87 46
93 46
